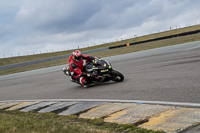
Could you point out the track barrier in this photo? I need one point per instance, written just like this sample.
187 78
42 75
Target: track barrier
157 39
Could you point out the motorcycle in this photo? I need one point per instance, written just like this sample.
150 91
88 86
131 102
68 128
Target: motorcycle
102 71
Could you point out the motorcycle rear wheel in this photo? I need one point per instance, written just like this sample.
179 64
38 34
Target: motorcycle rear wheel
117 76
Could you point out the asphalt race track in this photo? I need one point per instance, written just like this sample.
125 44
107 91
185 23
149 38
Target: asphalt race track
170 74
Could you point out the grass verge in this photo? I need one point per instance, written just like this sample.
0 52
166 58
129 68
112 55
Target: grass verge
20 122
111 52
14 60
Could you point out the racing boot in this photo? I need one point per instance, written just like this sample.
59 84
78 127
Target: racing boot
84 84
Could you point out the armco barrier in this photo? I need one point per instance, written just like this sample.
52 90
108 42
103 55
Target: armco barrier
159 38
48 59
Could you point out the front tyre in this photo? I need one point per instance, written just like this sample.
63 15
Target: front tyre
117 76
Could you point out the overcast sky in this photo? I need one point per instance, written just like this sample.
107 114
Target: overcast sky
46 25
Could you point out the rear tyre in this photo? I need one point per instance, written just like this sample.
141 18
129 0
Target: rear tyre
117 76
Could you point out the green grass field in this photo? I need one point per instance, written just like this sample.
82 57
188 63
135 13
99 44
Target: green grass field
30 122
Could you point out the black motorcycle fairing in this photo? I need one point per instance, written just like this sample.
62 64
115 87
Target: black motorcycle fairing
88 67
100 68
96 64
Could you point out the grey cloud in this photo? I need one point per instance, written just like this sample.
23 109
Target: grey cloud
54 23
75 16
56 15
173 10
6 32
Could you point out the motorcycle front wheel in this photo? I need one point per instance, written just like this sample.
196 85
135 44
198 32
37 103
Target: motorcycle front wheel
117 76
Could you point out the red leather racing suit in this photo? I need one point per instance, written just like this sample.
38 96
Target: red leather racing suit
77 68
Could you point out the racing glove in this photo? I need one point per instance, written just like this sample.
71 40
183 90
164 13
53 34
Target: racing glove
64 69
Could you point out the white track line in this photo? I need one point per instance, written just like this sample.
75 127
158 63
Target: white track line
107 100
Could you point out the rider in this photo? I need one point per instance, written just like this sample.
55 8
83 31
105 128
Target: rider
76 66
